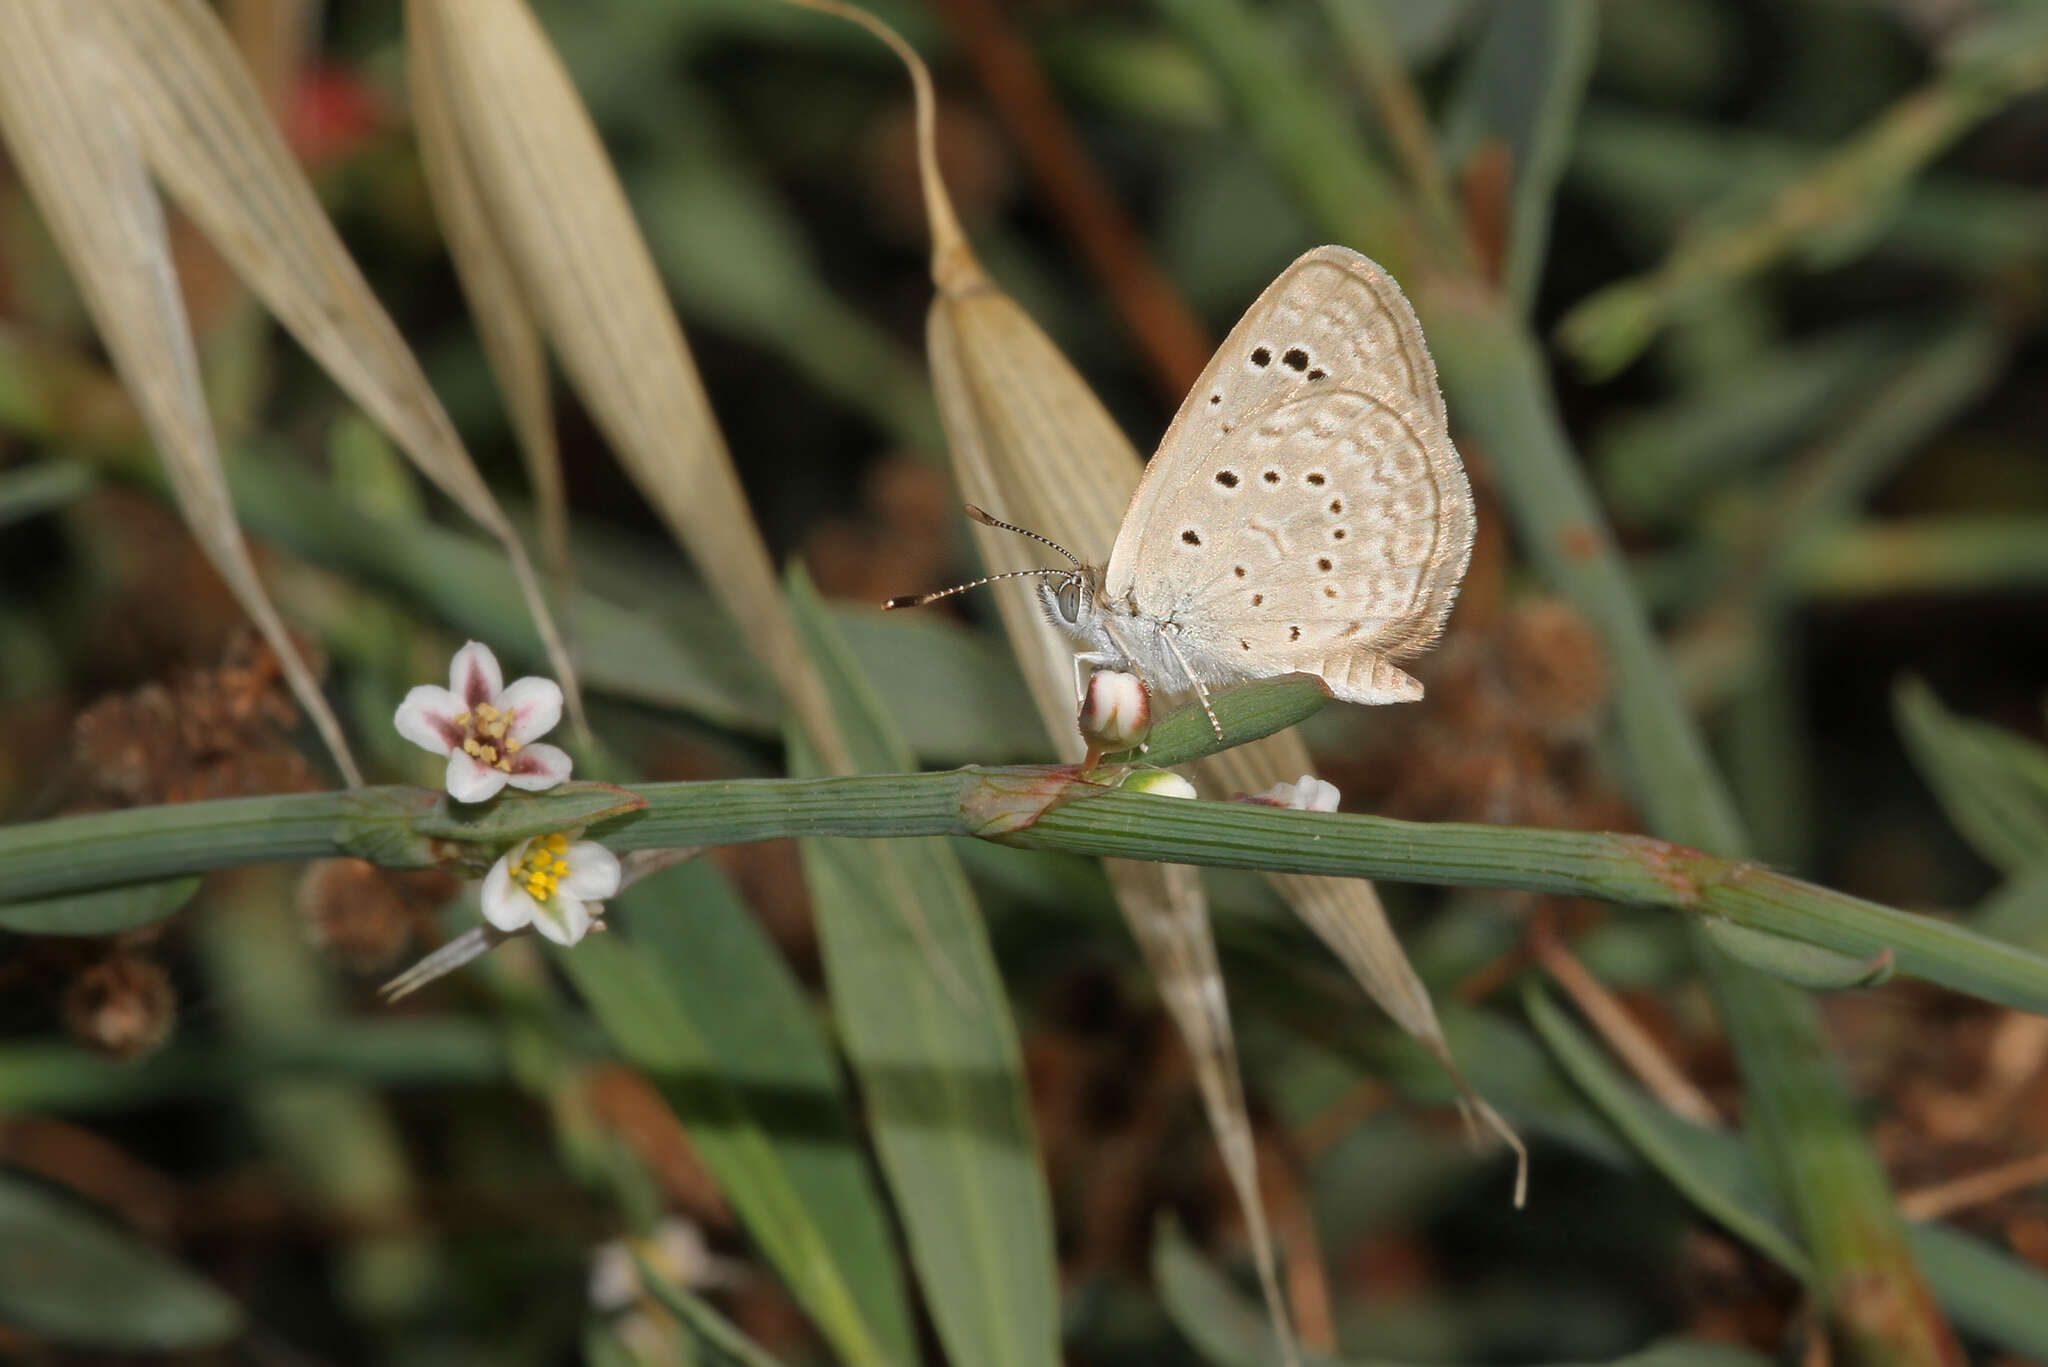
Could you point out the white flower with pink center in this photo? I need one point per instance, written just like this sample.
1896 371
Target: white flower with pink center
486 729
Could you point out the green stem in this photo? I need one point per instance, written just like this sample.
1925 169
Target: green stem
1028 807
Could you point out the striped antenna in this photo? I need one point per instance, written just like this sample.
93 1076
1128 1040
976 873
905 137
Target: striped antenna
918 600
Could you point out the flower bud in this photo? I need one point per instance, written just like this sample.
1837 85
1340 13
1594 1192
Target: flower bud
1117 711
1158 782
1307 794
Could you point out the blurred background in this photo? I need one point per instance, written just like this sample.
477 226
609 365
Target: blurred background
1824 461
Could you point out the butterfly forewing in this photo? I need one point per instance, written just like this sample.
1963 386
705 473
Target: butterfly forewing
1307 510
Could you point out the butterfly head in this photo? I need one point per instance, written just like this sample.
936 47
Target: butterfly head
1072 602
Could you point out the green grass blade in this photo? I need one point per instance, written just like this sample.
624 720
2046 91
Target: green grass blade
99 913
1719 1181
1993 784
71 1277
692 994
1522 88
1990 1293
928 1029
714 1330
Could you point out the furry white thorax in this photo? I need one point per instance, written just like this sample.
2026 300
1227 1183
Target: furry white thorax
1117 636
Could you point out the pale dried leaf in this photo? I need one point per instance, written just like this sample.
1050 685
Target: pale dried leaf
1033 445
505 324
1168 914
563 219
203 126
81 159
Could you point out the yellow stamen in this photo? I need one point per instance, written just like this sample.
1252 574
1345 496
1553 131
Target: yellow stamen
469 746
561 867
462 719
497 728
557 842
512 746
487 753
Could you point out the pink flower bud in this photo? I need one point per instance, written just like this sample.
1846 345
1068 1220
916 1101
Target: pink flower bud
1117 711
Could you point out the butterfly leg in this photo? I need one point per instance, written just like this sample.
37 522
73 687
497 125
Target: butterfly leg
1167 634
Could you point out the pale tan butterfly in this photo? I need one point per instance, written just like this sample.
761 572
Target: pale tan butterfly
1305 513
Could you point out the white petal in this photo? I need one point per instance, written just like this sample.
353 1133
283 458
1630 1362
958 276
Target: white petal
562 919
536 767
507 905
427 718
474 676
593 871
1318 795
471 780
535 706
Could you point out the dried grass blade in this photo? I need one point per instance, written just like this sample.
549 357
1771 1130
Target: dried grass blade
203 126
1031 443
1169 916
568 231
81 159
505 323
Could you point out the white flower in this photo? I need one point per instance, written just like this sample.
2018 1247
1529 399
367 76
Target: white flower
1307 794
677 1250
550 884
486 729
1158 782
1116 711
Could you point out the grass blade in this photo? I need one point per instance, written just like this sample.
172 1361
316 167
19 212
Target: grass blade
1993 784
1496 380
1522 88
566 227
692 993
506 326
57 1261
202 123
1833 211
1989 1292
928 1029
82 159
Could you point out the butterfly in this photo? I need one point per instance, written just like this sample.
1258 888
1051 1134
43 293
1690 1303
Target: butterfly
1306 511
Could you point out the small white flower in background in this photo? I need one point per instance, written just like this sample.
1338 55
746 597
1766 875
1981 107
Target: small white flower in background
1116 711
1158 782
551 884
486 729
1307 794
677 1250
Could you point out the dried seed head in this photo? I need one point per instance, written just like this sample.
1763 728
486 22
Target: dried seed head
209 733
123 1006
366 916
1554 661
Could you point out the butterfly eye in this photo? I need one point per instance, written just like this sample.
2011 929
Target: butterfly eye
1070 601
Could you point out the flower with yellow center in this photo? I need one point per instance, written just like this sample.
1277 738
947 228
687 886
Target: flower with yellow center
552 883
